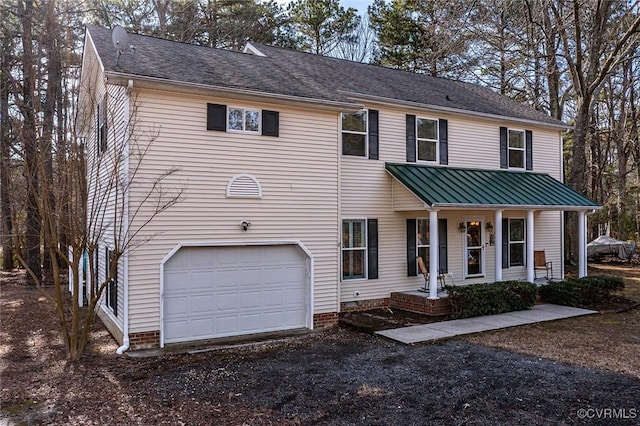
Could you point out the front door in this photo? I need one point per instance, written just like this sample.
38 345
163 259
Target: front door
474 249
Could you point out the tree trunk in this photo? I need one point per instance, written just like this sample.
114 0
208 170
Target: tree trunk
33 225
5 162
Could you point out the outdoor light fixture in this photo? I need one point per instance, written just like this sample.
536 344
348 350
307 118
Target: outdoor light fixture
490 227
245 225
462 227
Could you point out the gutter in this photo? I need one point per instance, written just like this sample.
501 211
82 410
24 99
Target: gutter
456 111
249 94
125 300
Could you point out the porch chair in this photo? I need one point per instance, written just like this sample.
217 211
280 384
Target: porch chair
540 264
425 273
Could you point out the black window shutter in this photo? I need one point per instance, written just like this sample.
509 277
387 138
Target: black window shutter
411 248
96 271
505 243
114 293
373 135
443 133
107 263
504 154
372 248
270 123
528 135
411 139
217 117
442 246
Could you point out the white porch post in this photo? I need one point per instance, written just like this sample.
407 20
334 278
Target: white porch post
433 254
530 245
498 243
582 248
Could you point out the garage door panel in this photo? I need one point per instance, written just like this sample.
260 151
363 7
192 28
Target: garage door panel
273 298
250 300
214 292
227 301
226 325
202 305
201 280
176 306
202 327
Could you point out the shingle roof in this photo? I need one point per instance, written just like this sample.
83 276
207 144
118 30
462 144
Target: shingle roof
458 187
292 73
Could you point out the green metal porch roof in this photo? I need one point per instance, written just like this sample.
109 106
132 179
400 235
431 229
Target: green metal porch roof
457 187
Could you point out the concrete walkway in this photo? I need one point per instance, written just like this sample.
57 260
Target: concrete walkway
444 329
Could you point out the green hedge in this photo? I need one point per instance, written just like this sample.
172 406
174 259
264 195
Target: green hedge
581 291
494 298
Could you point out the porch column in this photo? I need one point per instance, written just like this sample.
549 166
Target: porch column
433 254
582 248
498 243
530 245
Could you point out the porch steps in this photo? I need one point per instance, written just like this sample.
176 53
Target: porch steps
419 302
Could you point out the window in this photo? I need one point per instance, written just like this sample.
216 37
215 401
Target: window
354 249
101 134
427 139
516 149
243 120
354 133
516 242
422 240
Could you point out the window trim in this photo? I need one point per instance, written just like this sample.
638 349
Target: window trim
244 120
523 149
523 242
364 249
365 133
436 141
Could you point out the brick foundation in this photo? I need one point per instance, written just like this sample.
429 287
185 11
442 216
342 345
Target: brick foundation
420 304
328 319
364 305
145 340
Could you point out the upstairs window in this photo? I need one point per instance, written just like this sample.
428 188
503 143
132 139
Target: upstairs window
354 133
516 149
427 139
243 120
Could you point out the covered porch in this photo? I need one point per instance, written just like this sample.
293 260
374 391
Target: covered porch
483 203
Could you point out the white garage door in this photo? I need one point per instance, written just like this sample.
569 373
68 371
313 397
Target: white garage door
212 292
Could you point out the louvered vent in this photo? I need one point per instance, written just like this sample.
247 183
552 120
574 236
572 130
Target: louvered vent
244 186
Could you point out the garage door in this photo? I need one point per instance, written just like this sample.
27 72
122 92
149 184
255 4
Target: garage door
212 292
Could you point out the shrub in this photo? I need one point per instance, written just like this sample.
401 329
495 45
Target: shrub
494 298
581 291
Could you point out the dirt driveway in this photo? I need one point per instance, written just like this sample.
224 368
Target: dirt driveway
333 378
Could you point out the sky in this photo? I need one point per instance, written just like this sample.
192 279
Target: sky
360 5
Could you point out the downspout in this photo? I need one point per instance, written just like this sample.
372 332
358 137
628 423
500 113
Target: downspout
125 302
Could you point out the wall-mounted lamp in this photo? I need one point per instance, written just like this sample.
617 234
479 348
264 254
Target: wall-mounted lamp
462 227
492 240
245 225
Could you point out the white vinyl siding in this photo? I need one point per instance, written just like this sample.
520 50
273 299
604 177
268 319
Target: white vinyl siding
106 190
298 174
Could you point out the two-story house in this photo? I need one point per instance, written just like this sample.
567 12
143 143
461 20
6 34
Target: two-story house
311 185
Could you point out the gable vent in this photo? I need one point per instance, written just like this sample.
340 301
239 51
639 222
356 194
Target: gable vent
244 186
